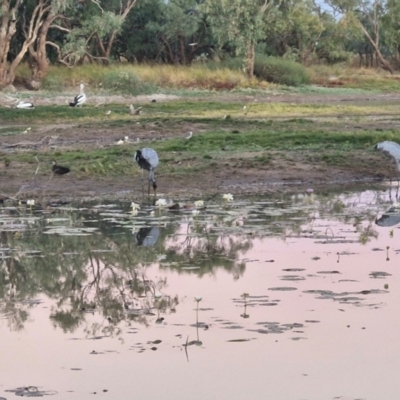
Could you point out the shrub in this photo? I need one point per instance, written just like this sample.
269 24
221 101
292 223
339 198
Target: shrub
125 82
233 63
53 83
280 70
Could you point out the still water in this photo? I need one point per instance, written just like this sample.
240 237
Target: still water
290 298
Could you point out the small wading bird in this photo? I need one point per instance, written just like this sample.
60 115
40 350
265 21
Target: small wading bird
25 105
391 149
59 170
147 159
135 111
80 98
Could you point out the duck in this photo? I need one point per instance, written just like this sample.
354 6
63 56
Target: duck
59 170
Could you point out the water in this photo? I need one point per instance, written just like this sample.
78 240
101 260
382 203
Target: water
292 298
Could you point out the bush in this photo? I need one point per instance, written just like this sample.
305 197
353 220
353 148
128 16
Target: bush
280 70
53 83
125 82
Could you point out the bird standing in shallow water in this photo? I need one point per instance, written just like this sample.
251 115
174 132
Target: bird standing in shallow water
147 159
59 170
80 98
392 149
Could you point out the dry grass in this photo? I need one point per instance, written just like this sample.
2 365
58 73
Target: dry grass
166 76
201 76
352 77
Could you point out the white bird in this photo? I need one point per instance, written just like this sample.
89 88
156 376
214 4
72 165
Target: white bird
135 111
25 104
391 149
147 159
80 98
27 130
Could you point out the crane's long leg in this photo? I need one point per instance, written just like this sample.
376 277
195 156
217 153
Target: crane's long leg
142 184
149 182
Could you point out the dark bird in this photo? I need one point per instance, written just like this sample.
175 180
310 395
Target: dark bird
391 149
80 98
147 159
59 170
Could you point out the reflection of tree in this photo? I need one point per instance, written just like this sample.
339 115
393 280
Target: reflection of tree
202 250
105 272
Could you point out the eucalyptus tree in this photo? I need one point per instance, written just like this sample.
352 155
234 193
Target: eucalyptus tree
238 23
177 29
34 18
391 29
95 33
294 30
138 39
367 17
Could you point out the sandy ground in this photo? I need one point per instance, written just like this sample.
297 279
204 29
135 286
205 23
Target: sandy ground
280 176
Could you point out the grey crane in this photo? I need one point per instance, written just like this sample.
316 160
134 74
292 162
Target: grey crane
391 149
388 220
147 159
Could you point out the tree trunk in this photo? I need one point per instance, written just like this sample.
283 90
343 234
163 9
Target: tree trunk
250 59
8 22
385 64
38 57
182 50
168 49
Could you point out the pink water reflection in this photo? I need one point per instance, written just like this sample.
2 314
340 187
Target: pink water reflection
344 350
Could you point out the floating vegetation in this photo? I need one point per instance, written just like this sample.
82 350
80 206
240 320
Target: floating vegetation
31 391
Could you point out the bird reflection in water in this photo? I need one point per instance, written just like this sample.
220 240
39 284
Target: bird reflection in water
148 236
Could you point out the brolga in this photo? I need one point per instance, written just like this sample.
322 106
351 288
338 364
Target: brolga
80 98
59 169
147 159
392 149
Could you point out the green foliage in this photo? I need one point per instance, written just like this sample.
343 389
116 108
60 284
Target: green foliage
228 63
53 83
125 82
280 70
143 45
293 30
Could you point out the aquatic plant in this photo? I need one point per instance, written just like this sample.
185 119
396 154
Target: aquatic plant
135 208
245 315
227 197
30 203
199 203
161 203
198 300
